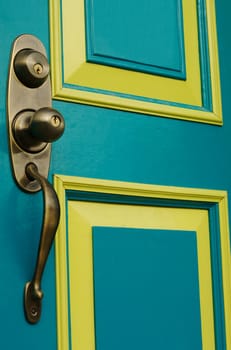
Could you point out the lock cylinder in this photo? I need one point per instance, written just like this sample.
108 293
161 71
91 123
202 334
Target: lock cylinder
31 67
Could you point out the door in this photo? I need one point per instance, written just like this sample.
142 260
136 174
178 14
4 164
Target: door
142 255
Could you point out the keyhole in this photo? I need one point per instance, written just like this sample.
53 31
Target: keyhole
38 68
55 120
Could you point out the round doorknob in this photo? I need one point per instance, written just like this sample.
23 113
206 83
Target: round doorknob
47 125
34 129
31 68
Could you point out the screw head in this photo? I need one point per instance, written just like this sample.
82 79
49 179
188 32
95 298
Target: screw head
34 312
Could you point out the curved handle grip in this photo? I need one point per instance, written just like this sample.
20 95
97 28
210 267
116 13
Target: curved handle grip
33 293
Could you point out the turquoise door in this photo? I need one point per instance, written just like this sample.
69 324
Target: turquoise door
142 256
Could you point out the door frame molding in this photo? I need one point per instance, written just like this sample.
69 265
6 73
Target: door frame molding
215 202
67 20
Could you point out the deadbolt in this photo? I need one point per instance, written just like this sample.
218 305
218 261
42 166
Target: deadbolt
31 67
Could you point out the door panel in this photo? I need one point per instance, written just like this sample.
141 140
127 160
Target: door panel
107 228
107 140
104 224
188 27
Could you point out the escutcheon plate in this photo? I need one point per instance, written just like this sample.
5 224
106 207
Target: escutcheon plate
22 98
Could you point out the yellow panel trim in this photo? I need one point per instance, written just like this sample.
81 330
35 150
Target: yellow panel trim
61 273
84 215
226 266
67 94
78 72
187 91
81 281
214 59
200 222
107 78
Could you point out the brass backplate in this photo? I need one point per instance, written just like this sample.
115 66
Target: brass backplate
22 98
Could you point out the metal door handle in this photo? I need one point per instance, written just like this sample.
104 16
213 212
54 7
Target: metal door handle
32 126
33 293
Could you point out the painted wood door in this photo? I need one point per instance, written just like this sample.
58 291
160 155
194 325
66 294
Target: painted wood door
142 256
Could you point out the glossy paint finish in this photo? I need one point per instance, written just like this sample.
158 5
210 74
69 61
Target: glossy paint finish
101 143
76 79
21 214
87 203
146 289
115 38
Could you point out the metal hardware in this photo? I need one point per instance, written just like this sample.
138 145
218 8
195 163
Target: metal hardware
33 293
31 67
33 130
33 125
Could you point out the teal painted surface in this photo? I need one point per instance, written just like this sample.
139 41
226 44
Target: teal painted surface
97 143
115 32
146 292
104 58
213 216
204 55
20 213
216 264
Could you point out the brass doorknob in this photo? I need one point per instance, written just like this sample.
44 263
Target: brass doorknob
33 130
47 124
